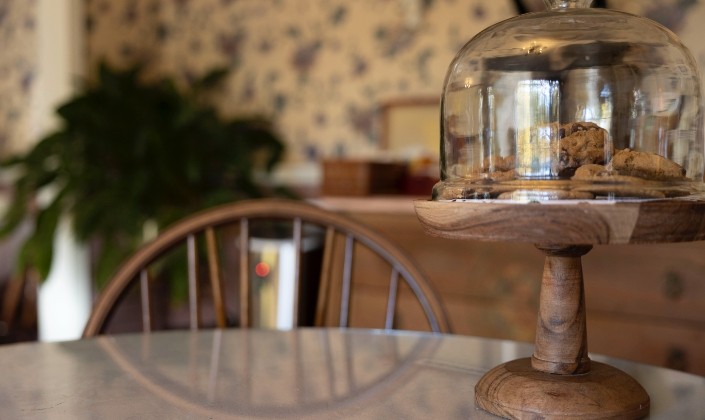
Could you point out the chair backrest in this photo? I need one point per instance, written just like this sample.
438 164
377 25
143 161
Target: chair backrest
226 234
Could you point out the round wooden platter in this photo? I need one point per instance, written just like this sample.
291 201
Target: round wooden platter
567 222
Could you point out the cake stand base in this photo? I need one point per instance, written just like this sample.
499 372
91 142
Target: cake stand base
560 380
518 391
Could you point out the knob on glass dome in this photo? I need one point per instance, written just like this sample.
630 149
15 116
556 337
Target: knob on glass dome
572 103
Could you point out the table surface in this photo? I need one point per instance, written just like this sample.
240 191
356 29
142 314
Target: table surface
303 373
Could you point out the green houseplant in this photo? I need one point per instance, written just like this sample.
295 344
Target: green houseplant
129 153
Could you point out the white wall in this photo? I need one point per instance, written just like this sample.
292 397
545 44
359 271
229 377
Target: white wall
64 300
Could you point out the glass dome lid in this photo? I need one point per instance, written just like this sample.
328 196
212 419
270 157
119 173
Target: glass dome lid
571 103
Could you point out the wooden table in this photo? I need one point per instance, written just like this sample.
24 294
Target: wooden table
305 373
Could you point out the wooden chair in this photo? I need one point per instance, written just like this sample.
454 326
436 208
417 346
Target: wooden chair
343 243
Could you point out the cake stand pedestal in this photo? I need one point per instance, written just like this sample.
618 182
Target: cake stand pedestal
559 380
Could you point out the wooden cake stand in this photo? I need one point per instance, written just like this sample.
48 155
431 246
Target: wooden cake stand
559 380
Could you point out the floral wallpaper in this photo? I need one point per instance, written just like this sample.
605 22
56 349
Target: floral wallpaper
17 70
320 68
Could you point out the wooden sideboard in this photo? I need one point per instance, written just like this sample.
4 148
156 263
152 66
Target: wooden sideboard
644 302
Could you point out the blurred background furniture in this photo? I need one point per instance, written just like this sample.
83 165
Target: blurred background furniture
18 291
491 289
313 373
255 279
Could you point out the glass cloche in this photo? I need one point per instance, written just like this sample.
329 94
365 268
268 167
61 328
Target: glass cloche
572 103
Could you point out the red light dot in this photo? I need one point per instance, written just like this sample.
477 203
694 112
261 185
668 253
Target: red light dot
262 269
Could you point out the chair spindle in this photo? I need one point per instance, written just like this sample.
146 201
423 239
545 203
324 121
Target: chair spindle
244 272
298 238
392 299
145 301
347 279
193 298
216 278
325 279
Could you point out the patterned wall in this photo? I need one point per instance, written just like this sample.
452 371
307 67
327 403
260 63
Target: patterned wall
17 70
321 68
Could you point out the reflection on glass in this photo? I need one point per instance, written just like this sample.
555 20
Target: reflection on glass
266 373
537 114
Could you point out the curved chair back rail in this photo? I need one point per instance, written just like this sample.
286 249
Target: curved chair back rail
300 213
